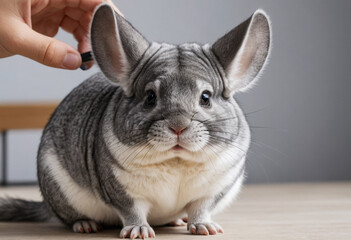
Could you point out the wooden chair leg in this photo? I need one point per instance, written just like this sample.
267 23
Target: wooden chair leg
4 158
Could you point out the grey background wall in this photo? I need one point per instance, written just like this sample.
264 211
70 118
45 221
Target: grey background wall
299 111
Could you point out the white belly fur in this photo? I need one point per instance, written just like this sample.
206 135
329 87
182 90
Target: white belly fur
168 187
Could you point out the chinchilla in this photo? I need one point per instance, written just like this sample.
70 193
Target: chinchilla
156 137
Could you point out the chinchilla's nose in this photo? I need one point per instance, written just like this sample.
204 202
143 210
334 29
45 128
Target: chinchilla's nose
178 124
177 130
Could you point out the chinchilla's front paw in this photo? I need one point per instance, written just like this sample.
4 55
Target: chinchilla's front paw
206 228
137 231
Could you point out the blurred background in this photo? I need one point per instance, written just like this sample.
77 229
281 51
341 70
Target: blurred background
299 110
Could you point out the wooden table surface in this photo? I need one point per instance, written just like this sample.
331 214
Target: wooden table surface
311 211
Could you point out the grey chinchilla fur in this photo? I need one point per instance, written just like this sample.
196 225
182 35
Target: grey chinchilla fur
157 136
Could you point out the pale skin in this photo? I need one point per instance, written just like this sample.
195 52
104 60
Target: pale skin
28 27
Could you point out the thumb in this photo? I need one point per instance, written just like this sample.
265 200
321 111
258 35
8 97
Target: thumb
47 50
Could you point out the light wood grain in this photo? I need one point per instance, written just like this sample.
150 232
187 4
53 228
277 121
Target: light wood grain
274 212
25 115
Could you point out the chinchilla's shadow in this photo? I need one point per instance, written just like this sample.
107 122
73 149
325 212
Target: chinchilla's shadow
12 231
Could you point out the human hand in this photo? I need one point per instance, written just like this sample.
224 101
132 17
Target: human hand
27 28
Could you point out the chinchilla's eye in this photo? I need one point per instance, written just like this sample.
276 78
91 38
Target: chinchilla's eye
205 99
150 99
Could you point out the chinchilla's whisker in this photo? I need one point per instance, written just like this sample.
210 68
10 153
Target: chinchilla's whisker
209 119
283 130
224 132
209 158
222 150
233 135
255 111
120 146
252 141
129 131
125 151
215 118
250 162
155 152
221 120
235 145
151 147
133 138
264 127
147 145
226 141
263 145
177 112
222 139
192 117
232 132
135 151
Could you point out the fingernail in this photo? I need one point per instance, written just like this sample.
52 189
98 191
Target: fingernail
71 61
83 67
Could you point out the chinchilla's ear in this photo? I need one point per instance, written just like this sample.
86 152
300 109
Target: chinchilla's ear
116 46
243 52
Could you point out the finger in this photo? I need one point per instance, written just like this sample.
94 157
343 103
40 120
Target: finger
80 31
83 42
70 25
87 5
48 25
45 50
74 13
84 5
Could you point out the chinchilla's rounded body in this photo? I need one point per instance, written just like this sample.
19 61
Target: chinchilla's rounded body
157 136
126 155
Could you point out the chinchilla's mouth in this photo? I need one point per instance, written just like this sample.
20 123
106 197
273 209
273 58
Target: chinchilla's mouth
177 148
